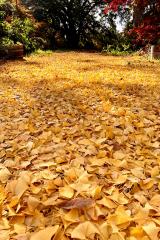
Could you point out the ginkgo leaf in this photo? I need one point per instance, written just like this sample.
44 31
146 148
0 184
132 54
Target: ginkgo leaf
21 187
72 216
32 203
84 231
117 236
155 200
137 232
107 203
155 171
121 216
4 175
19 228
147 184
46 233
121 179
96 192
105 230
140 197
119 197
98 162
152 230
66 192
138 172
119 155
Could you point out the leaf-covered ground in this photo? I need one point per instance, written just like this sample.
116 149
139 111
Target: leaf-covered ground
80 148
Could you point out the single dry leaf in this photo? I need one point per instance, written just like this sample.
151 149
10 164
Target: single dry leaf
72 216
120 216
21 187
147 184
98 162
46 174
96 192
78 203
140 197
152 230
155 200
84 230
45 234
155 171
117 236
138 172
121 179
105 230
118 197
106 202
19 228
4 175
137 232
119 155
66 192
32 203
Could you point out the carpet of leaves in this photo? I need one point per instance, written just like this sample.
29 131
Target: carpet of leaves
79 148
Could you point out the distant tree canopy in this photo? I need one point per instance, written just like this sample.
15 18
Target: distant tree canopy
76 24
144 15
77 21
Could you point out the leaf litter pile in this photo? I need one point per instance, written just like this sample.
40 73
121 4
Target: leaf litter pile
79 148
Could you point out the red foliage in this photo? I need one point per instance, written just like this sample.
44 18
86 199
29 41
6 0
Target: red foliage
146 33
148 30
113 5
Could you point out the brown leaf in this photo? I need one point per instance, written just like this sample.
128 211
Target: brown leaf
78 203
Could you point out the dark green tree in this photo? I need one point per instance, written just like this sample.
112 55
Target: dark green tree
75 20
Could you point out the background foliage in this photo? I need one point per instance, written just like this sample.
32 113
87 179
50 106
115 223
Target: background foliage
80 24
142 18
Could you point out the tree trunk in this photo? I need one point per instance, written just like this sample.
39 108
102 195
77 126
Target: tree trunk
137 15
72 39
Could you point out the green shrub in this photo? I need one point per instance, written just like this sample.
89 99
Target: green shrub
43 52
6 42
14 29
23 31
123 50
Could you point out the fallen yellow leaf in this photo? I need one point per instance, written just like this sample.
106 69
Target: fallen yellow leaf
84 231
45 234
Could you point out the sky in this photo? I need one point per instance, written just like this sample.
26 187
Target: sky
120 26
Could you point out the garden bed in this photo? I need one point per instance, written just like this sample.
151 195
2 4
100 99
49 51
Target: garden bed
12 52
